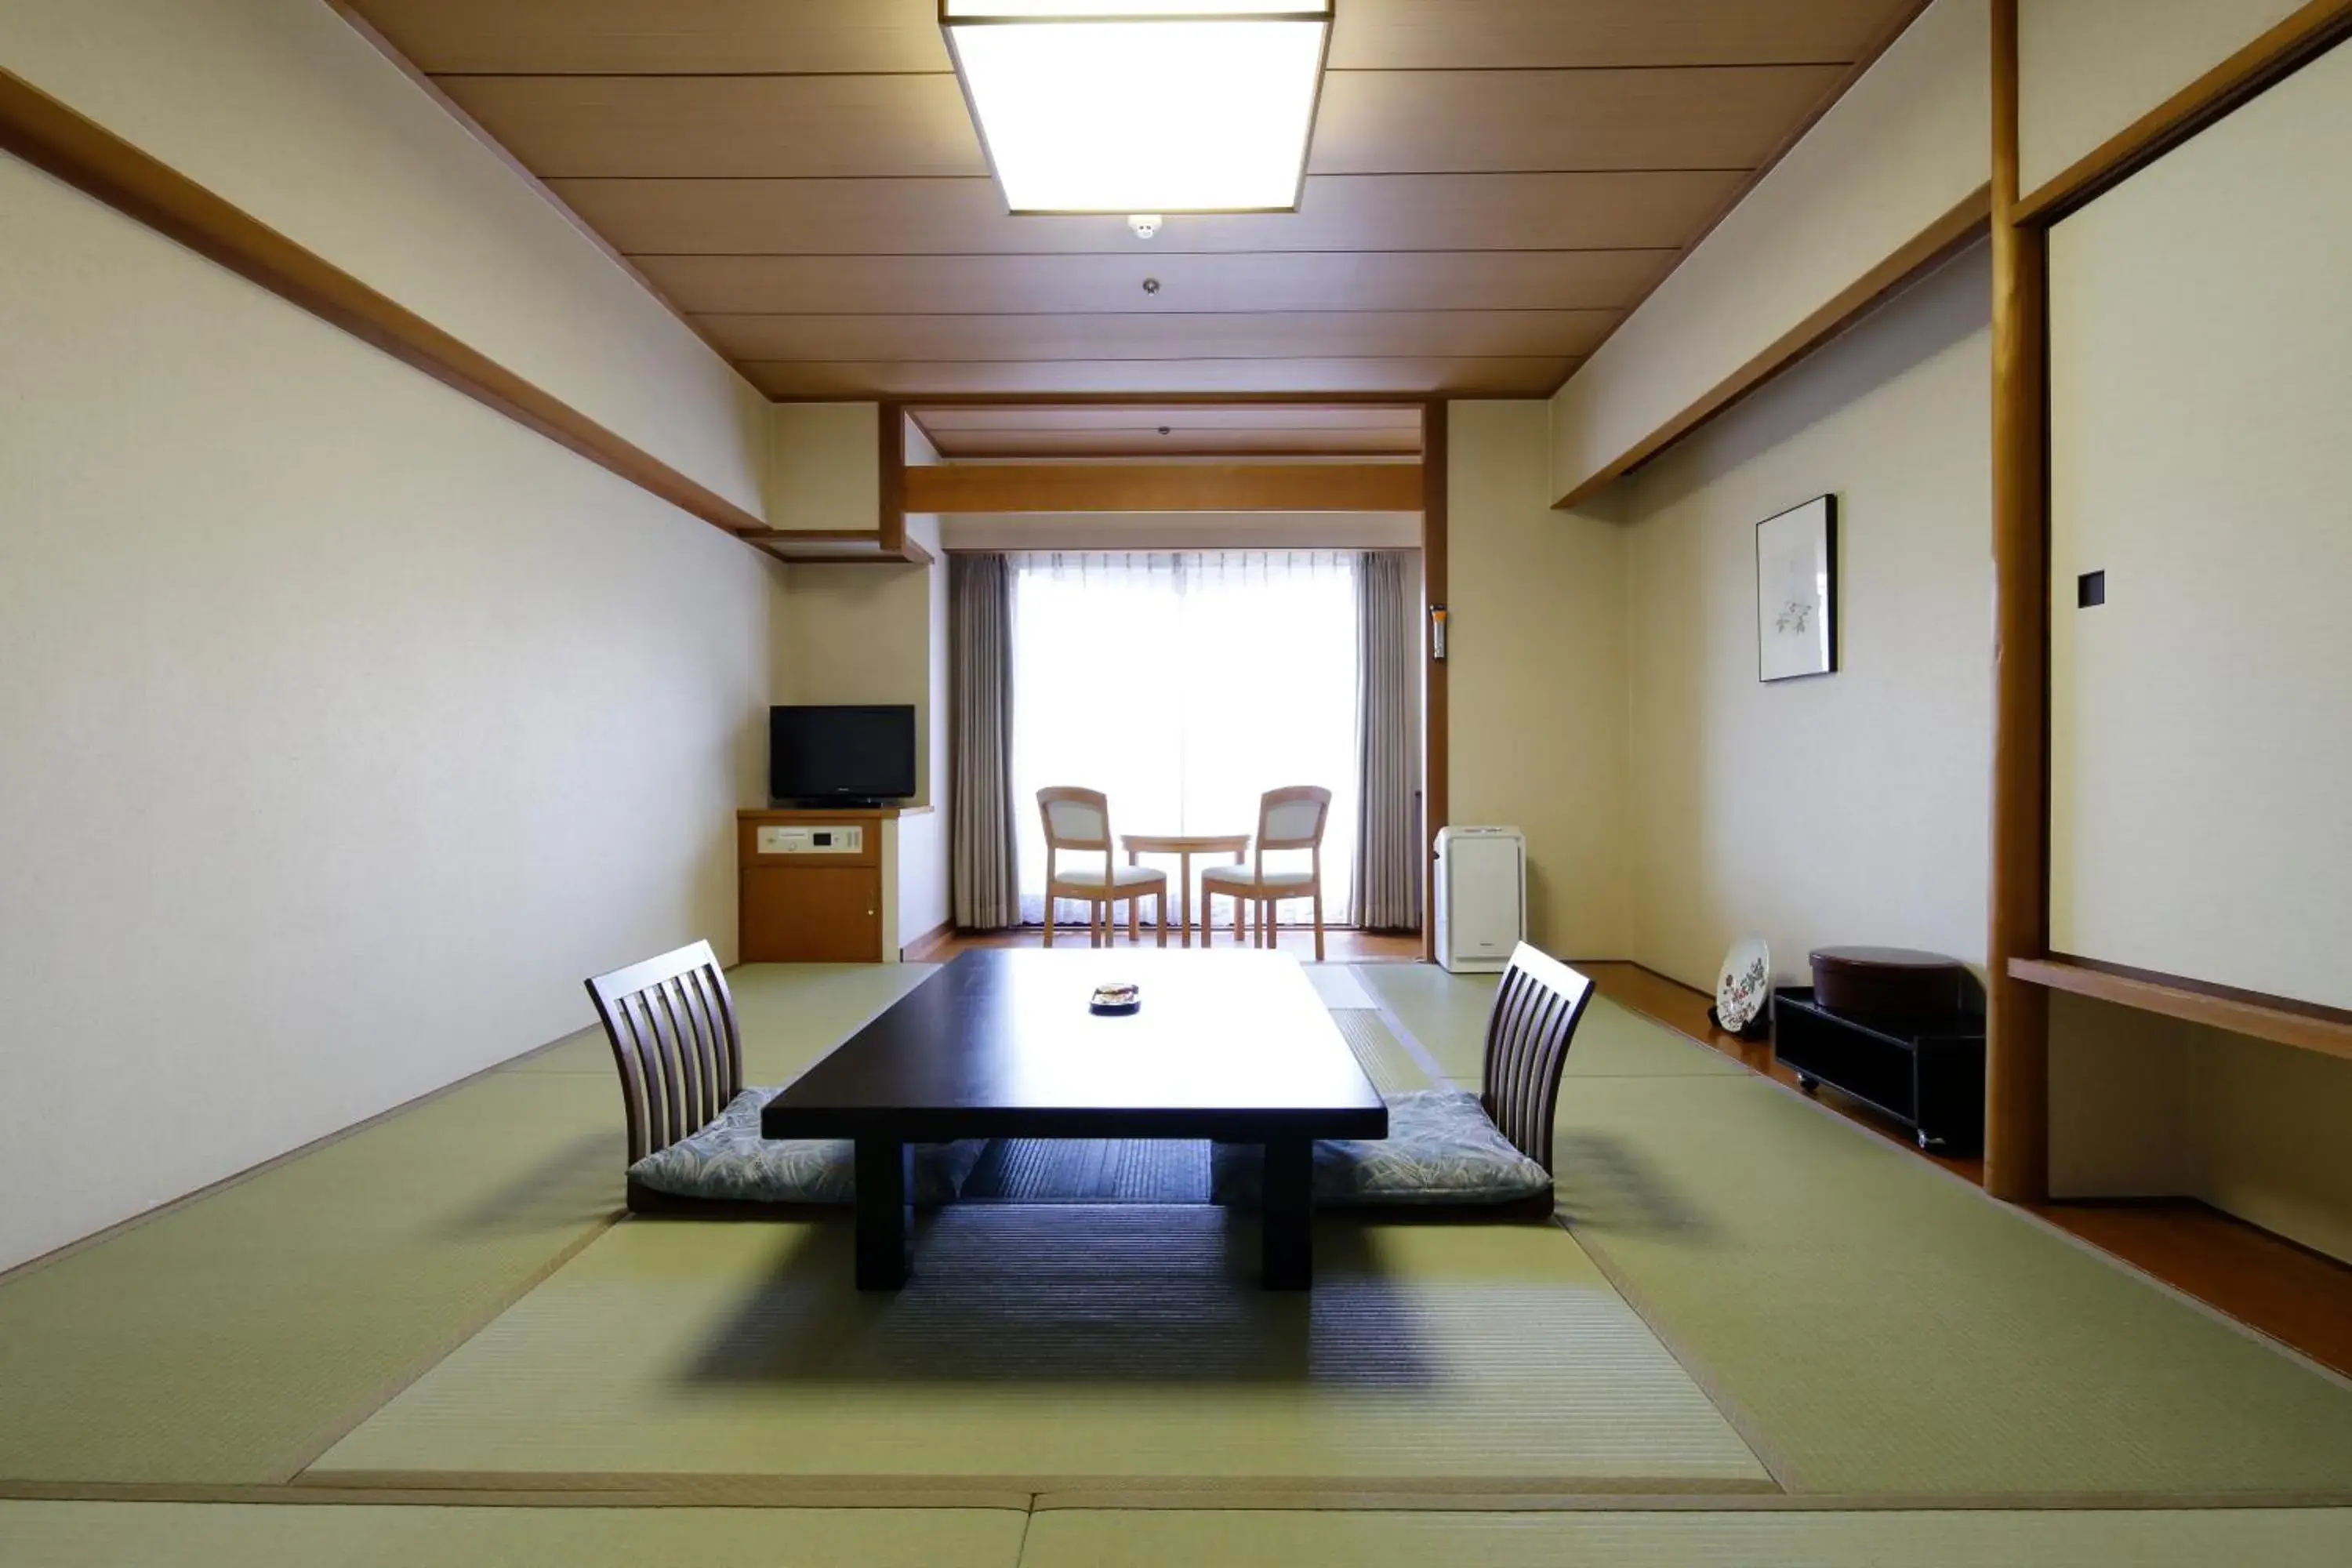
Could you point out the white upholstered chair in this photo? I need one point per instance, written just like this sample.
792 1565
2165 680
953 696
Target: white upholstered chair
1290 819
1078 821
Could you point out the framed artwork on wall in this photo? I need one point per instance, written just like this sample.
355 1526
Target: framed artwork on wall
1796 592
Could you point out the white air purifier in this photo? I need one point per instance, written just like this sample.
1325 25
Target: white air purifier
1481 897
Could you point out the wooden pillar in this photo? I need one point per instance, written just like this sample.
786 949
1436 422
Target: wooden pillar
2017 1039
890 427
1435 710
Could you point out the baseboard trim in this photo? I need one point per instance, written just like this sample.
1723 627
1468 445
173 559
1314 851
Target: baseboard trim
920 950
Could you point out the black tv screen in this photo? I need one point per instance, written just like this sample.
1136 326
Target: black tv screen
841 754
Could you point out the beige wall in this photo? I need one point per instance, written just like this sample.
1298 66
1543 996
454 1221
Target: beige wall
2147 1106
2270 1140
861 633
868 633
348 725
824 468
1848 808
1537 682
2087 69
280 108
1907 144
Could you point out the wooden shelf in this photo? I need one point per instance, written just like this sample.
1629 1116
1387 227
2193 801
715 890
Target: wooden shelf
2304 1024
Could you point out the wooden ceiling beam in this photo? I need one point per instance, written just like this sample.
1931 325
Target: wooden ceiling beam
966 487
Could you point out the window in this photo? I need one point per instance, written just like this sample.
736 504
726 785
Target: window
1184 685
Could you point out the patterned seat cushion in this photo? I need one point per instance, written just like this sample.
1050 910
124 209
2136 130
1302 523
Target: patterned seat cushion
1441 1149
729 1160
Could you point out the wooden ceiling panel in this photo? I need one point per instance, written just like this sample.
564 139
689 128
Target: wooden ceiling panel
1417 35
810 380
1372 122
634 37
1466 334
704 127
1493 185
734 37
1386 122
1189 282
946 218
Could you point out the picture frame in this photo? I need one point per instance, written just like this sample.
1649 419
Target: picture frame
1796 592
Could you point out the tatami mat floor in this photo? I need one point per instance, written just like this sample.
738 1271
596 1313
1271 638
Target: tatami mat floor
1746 1293
1073 1349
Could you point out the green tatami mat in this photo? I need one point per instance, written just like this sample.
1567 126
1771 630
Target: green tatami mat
1446 1013
225 1341
1386 1062
188 1535
2060 1538
1051 1348
788 1014
1885 1329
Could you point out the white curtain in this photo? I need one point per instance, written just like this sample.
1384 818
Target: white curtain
1184 685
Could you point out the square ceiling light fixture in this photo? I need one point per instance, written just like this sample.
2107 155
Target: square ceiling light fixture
1142 106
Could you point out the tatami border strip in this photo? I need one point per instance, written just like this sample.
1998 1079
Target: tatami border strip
1408 1496
1438 1076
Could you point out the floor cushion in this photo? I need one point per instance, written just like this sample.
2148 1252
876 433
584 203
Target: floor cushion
1441 1149
729 1160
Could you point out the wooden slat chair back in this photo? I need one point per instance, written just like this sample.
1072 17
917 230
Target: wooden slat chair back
671 1023
1537 1008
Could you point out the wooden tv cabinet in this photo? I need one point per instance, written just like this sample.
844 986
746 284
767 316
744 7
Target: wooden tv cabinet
802 901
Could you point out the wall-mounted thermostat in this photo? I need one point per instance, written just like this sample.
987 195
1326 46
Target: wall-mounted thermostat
844 840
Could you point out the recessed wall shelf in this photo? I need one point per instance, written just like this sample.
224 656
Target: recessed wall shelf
2285 1022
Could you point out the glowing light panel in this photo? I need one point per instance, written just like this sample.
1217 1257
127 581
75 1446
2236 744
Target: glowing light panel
1141 106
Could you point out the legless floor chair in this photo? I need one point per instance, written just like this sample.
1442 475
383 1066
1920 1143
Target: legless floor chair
694 1129
1450 1153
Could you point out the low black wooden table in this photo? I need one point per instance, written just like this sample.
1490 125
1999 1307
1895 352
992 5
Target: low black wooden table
1234 1046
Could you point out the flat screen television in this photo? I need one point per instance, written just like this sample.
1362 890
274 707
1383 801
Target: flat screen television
842 755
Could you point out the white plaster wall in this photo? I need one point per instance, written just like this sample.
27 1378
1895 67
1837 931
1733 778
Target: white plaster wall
2087 69
1849 807
1907 143
344 725
282 109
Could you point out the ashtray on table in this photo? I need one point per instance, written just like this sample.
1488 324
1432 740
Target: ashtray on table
1116 1000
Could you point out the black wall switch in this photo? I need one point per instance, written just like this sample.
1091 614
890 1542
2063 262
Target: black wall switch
2090 589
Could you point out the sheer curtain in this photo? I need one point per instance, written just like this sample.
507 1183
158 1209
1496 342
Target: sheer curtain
1184 686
